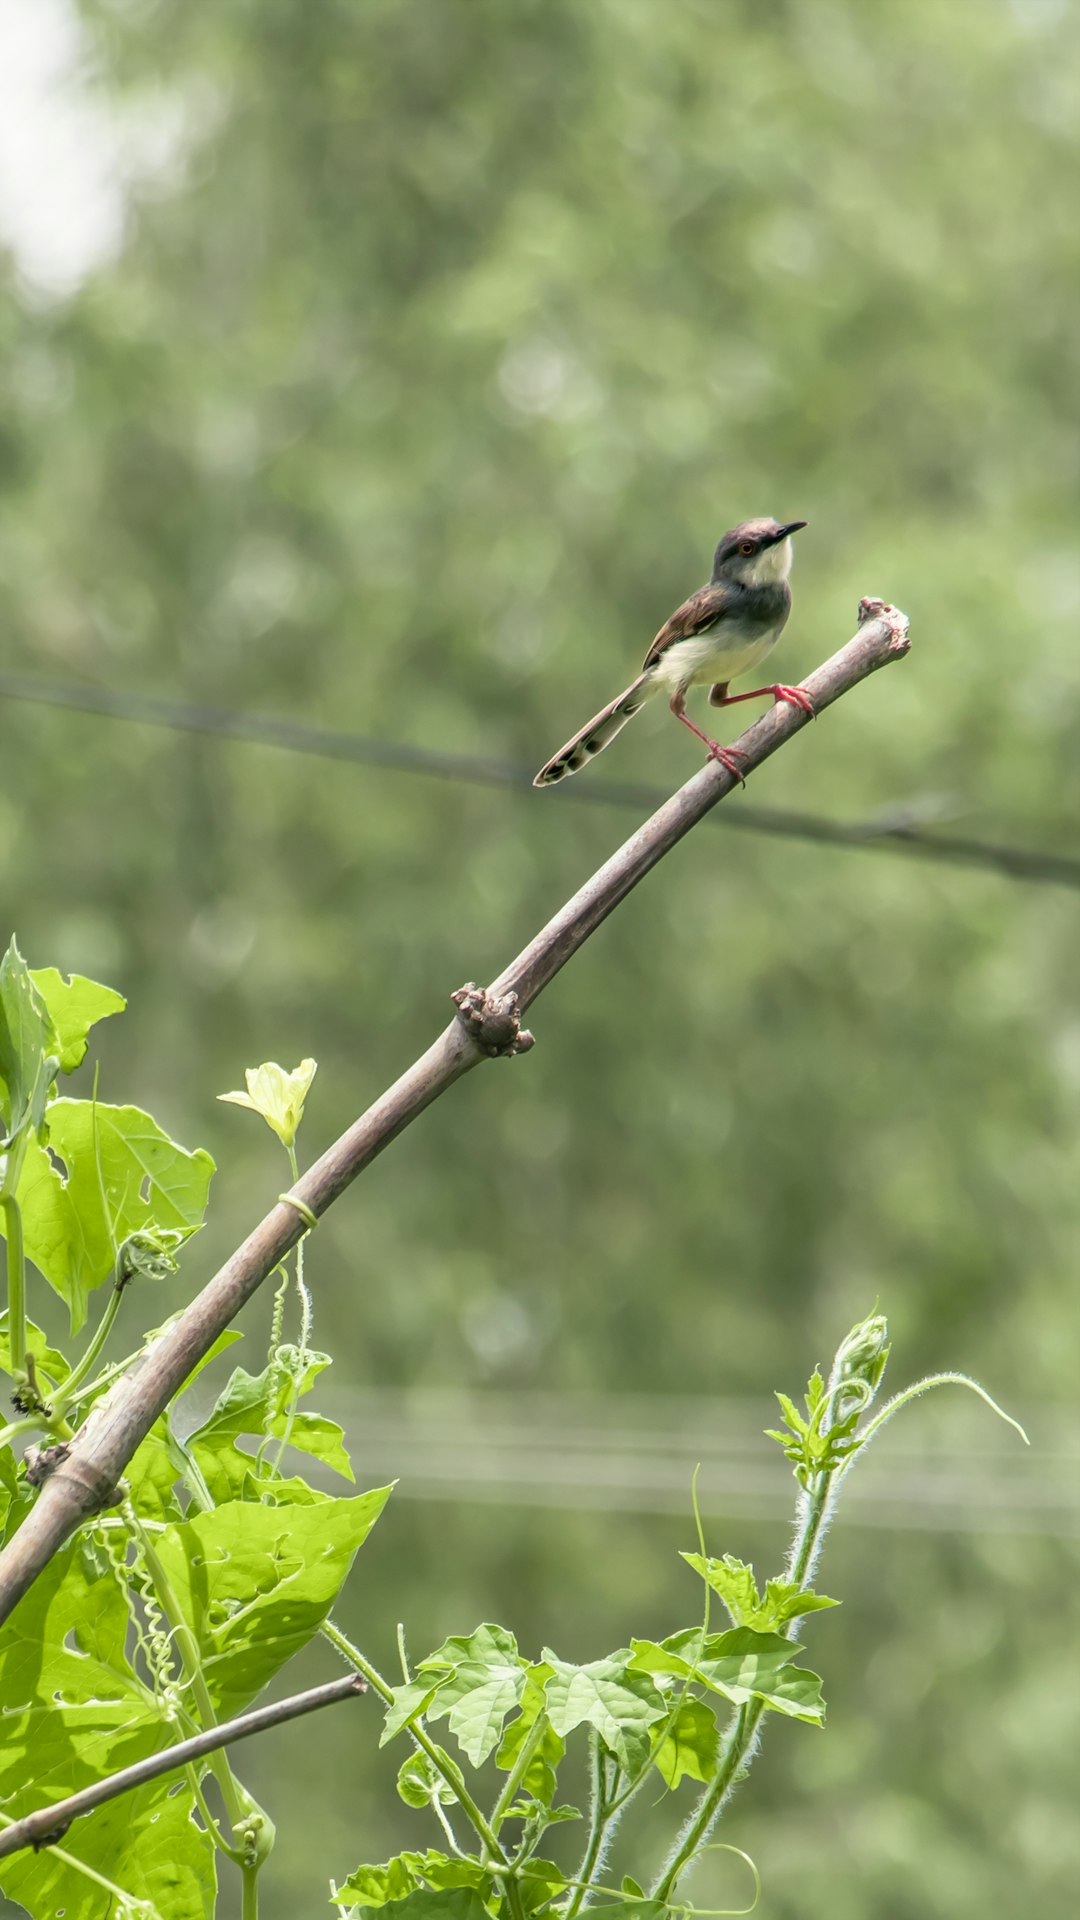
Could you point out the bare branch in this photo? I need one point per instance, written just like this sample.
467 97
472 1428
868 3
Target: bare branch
489 1022
49 1824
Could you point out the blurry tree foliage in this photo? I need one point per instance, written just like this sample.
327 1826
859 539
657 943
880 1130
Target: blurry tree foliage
444 340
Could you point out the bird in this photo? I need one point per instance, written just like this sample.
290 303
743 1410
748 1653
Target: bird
723 630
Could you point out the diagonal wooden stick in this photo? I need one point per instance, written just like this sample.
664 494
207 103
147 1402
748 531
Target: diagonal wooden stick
487 1024
49 1824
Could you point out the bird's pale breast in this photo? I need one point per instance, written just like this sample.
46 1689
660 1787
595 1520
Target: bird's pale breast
724 652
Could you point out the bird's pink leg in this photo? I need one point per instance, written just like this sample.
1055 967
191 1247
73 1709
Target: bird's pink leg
728 756
795 696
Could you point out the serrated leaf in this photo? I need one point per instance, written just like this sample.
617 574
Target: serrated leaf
485 1679
620 1703
29 1049
791 1414
74 1005
256 1582
734 1581
740 1665
74 1712
689 1746
122 1174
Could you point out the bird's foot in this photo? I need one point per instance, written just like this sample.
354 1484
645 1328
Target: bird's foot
728 757
795 697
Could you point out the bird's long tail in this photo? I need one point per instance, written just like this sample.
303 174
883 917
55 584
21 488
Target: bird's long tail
600 731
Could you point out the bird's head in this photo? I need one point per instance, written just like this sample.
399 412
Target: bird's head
755 554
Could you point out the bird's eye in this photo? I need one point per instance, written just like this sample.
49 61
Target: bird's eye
747 547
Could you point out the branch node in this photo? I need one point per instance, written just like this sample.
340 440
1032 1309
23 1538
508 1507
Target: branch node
41 1462
871 608
95 1491
492 1020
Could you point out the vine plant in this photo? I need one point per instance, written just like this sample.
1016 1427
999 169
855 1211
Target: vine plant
217 1561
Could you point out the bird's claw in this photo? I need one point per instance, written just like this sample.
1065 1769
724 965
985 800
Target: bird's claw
796 697
728 757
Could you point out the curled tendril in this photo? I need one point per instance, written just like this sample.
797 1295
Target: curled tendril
148 1256
680 1910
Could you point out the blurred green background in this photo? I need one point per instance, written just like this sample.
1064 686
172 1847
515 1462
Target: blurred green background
434 346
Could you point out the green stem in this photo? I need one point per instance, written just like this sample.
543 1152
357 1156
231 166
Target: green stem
600 1813
67 1392
250 1905
16 1268
518 1771
744 1728
426 1745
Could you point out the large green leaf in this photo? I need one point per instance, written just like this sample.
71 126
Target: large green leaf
484 1680
255 1582
622 1704
73 1711
74 1005
121 1174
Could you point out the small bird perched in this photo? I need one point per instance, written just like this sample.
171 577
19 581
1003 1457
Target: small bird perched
723 630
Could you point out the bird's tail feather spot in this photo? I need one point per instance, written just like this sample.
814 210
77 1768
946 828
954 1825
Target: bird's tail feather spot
599 734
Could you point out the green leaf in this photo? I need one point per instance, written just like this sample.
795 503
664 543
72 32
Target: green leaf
153 1471
620 1702
484 1680
734 1581
121 1174
413 1698
254 1405
449 1903
73 1713
74 1005
541 1881
277 1095
540 1774
420 1783
256 1582
49 1361
741 1665
631 1887
440 1870
374 1886
29 1049
689 1746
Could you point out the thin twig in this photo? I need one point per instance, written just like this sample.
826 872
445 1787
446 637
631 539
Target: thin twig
49 1824
86 1479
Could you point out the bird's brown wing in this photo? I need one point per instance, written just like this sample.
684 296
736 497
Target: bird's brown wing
696 615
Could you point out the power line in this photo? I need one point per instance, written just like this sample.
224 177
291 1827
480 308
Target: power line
637 1453
897 831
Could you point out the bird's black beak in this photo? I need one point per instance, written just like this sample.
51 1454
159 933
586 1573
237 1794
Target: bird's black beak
792 527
